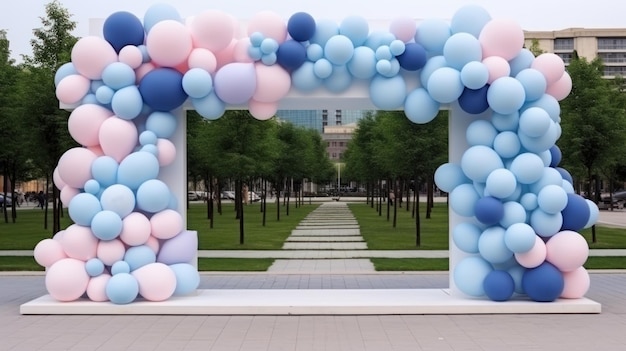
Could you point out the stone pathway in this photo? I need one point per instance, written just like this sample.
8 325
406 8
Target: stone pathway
330 227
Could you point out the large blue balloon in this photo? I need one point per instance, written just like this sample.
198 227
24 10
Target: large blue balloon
556 154
122 288
489 210
544 283
499 285
162 89
474 101
413 58
123 28
301 26
576 213
291 55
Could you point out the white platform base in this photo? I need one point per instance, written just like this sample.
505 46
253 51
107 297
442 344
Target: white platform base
312 302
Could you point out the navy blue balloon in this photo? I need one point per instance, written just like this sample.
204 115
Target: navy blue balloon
291 55
576 213
489 210
123 28
474 101
301 26
544 283
162 89
499 285
556 154
565 174
413 58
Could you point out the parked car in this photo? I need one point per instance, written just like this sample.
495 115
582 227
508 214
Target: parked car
619 198
9 201
192 196
228 195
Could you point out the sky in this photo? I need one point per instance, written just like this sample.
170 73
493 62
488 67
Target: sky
21 17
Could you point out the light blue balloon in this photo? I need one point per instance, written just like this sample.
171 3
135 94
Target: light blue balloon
127 102
255 53
94 267
507 144
151 148
106 225
462 48
469 19
363 63
104 95
339 49
534 83
527 167
397 47
324 30
520 237
118 75
480 188
523 60
66 69
552 199
197 83
505 122
379 38
501 183
119 199
506 95
120 267
383 53
474 75
549 104
159 12
479 161
210 107
147 137
517 272
136 168
594 212
550 176
546 156
356 28
145 57
162 124
256 39
153 196
542 143
432 34
104 170
95 84
469 274
444 85
92 187
465 236
90 99
314 52
339 81
568 187
462 200
529 201
433 64
323 68
122 289
516 194
269 59
420 107
187 278
534 122
491 245
269 45
514 212
139 256
448 176
481 132
388 93
304 78
546 224
83 207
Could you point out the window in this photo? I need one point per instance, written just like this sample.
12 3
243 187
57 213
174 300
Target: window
566 57
615 71
612 43
564 44
613 57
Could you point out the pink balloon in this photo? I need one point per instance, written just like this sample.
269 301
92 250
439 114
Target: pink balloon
131 55
501 37
118 138
79 242
166 224
403 28
202 58
167 152
226 56
534 257
135 229
85 121
169 43
142 70
240 52
56 179
67 279
212 29
110 251
567 250
577 283
96 288
561 88
75 166
72 89
67 194
96 149
270 24
48 251
154 244
497 67
262 110
90 55
551 65
272 83
157 281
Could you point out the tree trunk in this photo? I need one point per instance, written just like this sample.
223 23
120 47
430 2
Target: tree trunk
429 195
395 203
418 226
264 200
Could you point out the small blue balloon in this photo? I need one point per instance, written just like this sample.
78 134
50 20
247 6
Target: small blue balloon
268 46
522 61
160 12
94 267
83 207
363 63
147 137
314 52
506 95
469 274
355 28
514 212
556 154
465 236
544 283
92 186
388 93
534 83
420 107
492 247
118 75
122 288
269 59
448 176
505 122
123 28
197 83
127 103
187 278
474 101
462 200
120 267
479 161
432 34
304 78
67 69
507 144
462 48
324 30
546 224
210 107
339 50
139 256
519 237
106 225
256 39
301 26
489 210
162 89
444 85
339 81
153 196
499 285
413 58
474 75
104 170
323 68
162 124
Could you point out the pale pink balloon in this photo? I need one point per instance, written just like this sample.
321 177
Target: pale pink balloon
501 37
135 229
240 52
157 281
202 58
167 152
212 29
96 149
226 56
67 279
169 43
118 138
577 283
166 224
90 55
72 89
96 288
75 166
154 244
110 251
272 83
67 194
561 88
550 65
85 121
497 67
79 242
56 179
533 257
262 110
567 250
142 70
270 24
48 251
403 28
59 236
131 55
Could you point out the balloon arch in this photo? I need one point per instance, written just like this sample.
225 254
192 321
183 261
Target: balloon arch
514 214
